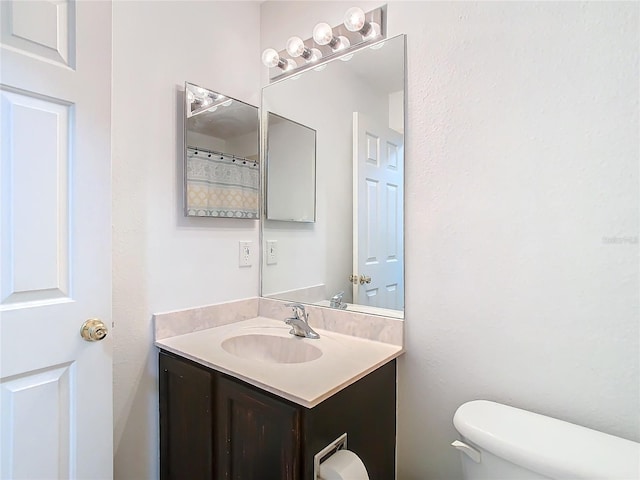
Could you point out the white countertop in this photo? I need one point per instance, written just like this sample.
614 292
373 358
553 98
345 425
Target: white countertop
345 359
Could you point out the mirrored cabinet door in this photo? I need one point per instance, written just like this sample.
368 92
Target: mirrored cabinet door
222 173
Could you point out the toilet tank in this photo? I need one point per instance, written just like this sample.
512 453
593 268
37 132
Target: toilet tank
517 444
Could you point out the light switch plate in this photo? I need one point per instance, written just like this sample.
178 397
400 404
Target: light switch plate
244 251
272 252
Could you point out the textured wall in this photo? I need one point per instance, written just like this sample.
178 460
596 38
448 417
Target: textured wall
162 260
521 212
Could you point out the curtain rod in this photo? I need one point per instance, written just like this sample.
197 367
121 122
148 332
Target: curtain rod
222 154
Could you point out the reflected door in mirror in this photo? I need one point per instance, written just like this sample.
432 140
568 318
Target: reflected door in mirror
378 205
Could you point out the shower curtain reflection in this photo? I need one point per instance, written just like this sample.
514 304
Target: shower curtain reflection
221 185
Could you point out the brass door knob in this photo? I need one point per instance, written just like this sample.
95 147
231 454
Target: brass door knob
93 330
364 279
353 279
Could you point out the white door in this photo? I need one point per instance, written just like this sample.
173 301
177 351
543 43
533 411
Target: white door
55 239
378 163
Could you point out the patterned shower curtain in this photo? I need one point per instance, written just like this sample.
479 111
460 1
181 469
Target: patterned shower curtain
218 186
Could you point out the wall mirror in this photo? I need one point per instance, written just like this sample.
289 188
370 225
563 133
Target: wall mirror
353 255
221 163
291 170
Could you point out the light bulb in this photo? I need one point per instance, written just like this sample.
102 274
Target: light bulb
212 109
295 46
190 96
207 101
322 34
354 19
270 58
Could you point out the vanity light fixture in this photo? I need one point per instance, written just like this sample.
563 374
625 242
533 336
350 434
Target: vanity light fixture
358 29
201 100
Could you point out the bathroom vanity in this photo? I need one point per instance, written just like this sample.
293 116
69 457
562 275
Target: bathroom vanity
240 397
247 400
214 426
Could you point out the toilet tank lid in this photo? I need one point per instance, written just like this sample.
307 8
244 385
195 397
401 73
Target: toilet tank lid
546 445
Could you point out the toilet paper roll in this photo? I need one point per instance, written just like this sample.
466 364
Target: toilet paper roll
343 465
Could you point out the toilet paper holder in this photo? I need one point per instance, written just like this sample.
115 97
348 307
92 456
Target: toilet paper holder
338 444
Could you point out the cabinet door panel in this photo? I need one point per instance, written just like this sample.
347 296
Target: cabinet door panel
186 421
259 437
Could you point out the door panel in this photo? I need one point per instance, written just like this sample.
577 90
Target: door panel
378 205
38 429
35 201
258 437
40 28
186 420
55 239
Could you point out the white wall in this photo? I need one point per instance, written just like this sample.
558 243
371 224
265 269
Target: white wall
161 260
522 166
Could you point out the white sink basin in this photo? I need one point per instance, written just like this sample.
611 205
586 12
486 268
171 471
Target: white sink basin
271 349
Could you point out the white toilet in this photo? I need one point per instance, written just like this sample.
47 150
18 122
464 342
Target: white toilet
506 443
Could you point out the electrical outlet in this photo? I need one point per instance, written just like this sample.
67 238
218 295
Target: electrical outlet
272 252
244 259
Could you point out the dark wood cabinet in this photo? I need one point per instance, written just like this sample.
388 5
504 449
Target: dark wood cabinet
259 437
186 420
213 426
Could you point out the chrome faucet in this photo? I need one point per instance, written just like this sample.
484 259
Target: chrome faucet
336 301
300 322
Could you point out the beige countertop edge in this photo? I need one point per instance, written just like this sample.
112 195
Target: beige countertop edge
308 403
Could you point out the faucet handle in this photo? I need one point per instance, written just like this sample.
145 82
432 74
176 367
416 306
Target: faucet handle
296 307
338 296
